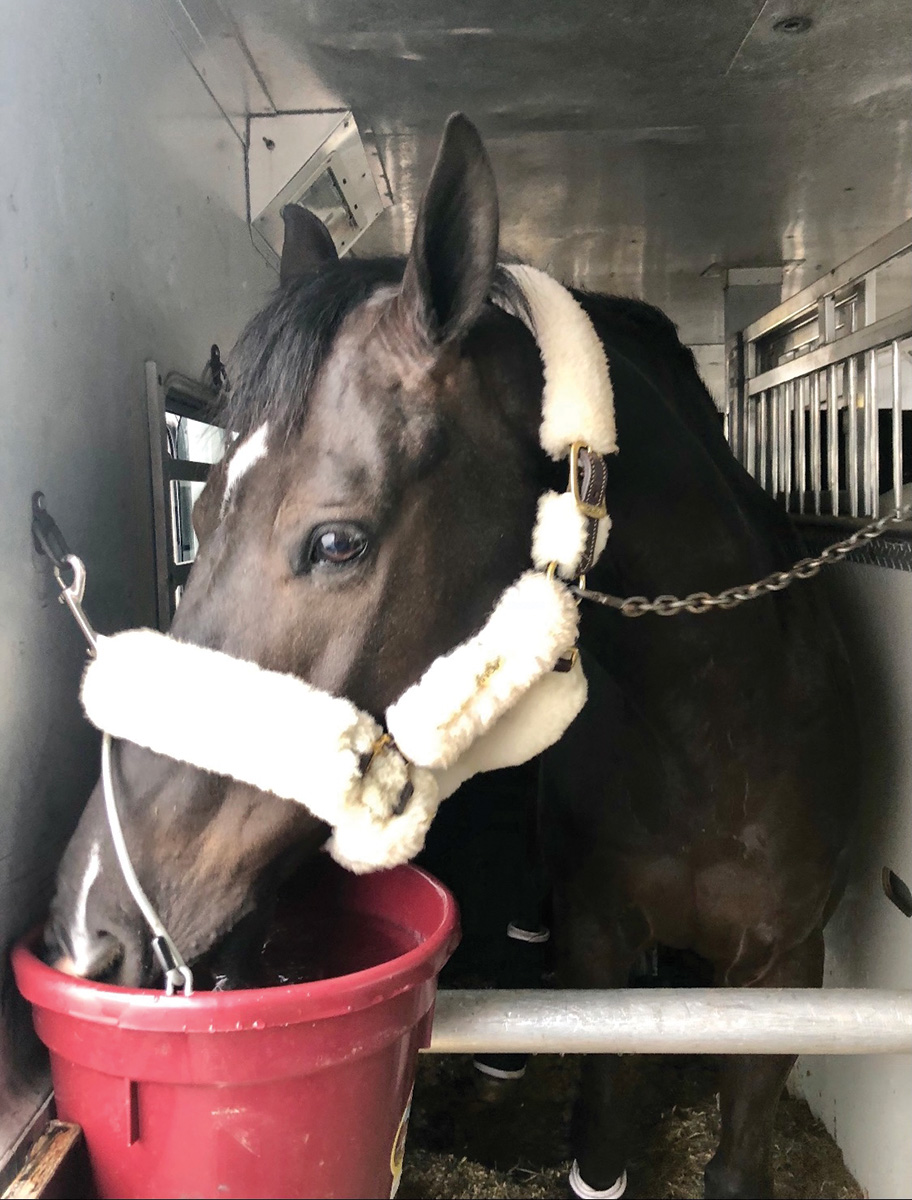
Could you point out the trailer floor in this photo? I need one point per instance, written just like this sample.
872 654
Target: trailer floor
463 1145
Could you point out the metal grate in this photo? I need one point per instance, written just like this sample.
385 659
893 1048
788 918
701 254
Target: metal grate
820 396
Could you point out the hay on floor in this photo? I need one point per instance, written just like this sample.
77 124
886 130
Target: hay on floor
463 1145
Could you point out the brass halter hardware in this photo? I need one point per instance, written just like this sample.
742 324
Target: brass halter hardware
383 742
592 512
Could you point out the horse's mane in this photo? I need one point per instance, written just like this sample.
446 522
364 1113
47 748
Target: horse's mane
658 335
276 359
628 314
650 342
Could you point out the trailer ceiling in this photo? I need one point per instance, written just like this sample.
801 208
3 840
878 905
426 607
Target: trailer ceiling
634 141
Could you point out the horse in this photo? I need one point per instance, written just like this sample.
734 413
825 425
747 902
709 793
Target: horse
378 498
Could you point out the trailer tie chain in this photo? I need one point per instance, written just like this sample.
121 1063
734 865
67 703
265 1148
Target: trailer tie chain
702 602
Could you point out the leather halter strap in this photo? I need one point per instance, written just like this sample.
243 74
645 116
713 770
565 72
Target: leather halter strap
591 478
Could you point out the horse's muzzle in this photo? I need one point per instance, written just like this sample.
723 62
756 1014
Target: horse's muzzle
97 957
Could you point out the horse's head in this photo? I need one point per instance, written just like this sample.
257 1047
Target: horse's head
378 498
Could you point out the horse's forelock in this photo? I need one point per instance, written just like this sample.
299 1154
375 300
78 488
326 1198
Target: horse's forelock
277 357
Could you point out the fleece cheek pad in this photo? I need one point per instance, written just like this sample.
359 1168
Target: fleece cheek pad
270 730
493 701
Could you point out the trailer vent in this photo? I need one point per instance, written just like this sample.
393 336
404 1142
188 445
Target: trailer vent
317 160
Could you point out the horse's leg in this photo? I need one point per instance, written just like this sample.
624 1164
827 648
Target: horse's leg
521 962
749 1089
595 955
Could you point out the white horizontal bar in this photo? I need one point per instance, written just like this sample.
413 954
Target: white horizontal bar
674 1021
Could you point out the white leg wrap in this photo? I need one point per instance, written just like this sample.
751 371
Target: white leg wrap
580 1188
536 937
498 1072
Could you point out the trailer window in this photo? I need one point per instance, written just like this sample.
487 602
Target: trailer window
196 443
186 437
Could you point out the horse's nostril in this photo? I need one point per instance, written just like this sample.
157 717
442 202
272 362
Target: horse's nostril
91 959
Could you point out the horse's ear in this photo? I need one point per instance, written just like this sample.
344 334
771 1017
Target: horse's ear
308 246
451 265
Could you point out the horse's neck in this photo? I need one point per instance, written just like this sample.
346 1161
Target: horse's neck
685 516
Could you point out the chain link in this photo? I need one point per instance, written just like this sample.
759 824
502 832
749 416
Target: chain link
703 602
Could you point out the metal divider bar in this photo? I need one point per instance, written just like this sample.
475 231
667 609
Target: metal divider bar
816 464
674 1021
763 418
775 439
852 418
801 480
779 442
897 425
869 337
788 406
833 438
892 244
872 446
820 352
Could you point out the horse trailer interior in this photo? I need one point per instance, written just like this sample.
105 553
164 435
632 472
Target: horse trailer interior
744 166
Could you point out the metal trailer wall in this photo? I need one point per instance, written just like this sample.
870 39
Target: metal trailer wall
122 238
867 1105
866 1101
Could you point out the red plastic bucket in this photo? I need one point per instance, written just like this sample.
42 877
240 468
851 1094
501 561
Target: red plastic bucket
300 1090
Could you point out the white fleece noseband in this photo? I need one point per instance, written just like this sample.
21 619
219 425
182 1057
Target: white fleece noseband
494 701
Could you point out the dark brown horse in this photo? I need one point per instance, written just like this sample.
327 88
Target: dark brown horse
703 798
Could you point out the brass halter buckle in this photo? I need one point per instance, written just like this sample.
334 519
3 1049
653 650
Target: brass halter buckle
383 742
586 508
386 742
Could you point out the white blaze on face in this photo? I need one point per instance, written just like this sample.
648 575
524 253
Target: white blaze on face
250 451
80 938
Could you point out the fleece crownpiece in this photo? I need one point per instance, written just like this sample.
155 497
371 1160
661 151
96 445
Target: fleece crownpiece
496 700
578 400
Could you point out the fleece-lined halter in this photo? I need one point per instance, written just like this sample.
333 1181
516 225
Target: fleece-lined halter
496 700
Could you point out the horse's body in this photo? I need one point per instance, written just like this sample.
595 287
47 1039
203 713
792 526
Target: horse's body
702 799
715 812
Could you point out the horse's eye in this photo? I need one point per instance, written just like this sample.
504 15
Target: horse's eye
338 545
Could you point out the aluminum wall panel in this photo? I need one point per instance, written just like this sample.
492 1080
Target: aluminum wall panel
122 238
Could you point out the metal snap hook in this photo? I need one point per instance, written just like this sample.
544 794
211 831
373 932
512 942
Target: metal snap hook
177 974
71 595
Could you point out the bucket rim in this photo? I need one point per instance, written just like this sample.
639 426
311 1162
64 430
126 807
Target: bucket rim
148 1010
